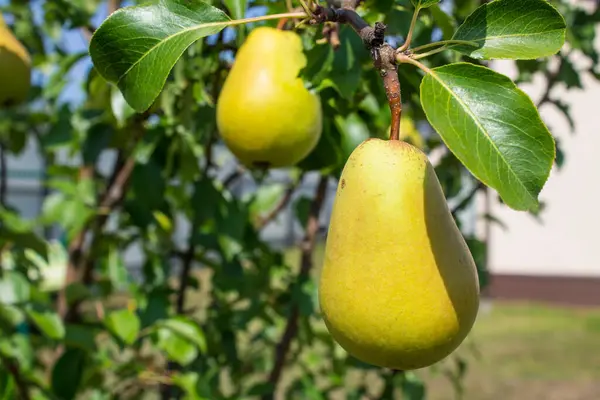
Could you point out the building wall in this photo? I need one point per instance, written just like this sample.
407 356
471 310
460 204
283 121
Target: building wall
566 240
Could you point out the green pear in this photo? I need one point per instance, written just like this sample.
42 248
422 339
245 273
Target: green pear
399 287
265 114
15 68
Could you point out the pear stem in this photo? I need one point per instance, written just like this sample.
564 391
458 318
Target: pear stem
403 58
383 55
409 35
443 43
386 64
281 23
265 18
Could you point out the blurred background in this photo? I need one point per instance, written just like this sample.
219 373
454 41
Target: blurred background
189 283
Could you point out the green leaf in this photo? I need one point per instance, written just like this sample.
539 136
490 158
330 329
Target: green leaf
68 373
260 389
14 288
566 110
116 270
569 75
124 324
187 329
47 321
237 8
354 131
265 199
188 382
120 108
81 336
346 71
176 346
424 3
319 63
302 208
508 29
11 315
7 386
97 139
479 251
327 154
412 387
492 127
136 47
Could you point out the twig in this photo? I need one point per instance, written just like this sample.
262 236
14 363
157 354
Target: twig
331 32
187 259
114 193
76 246
13 368
404 58
415 50
388 70
234 176
467 199
280 206
551 80
306 263
409 35
383 55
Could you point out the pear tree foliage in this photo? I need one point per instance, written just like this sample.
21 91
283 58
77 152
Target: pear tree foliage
122 115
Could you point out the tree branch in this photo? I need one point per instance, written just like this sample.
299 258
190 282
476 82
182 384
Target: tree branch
331 32
467 199
383 55
111 198
280 206
187 259
551 80
306 263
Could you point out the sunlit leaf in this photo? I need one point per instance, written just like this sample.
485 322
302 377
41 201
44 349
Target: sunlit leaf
237 8
136 47
47 321
508 29
424 3
124 324
493 128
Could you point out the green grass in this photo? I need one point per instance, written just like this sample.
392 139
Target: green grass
528 351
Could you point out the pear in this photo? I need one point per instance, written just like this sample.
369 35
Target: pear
265 114
399 287
15 68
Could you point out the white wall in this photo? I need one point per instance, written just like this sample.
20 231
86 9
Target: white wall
567 240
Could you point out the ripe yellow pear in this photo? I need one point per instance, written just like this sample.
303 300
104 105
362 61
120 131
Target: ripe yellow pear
265 115
15 68
399 287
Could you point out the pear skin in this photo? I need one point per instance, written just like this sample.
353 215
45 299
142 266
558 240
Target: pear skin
15 68
399 287
265 115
